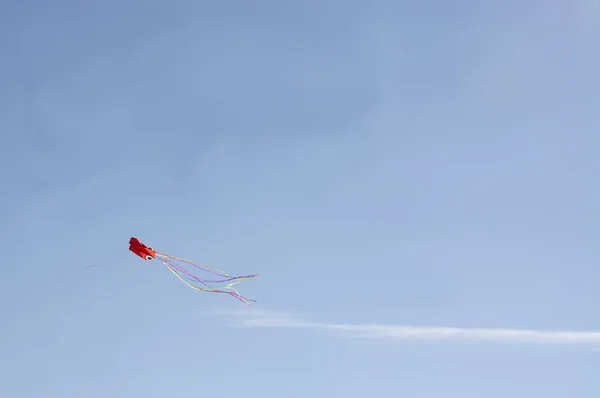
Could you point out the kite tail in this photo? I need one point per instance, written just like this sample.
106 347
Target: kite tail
177 266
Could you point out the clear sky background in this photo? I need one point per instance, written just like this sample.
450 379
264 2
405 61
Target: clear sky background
424 163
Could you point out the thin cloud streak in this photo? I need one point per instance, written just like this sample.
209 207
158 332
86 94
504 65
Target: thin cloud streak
264 319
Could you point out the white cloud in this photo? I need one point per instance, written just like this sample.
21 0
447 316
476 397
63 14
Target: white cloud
267 319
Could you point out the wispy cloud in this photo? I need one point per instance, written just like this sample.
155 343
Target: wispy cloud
267 319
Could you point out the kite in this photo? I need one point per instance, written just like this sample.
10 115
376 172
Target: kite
178 267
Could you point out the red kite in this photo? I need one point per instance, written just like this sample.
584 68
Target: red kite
178 266
141 249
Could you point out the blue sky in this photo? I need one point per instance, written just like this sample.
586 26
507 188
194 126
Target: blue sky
430 164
